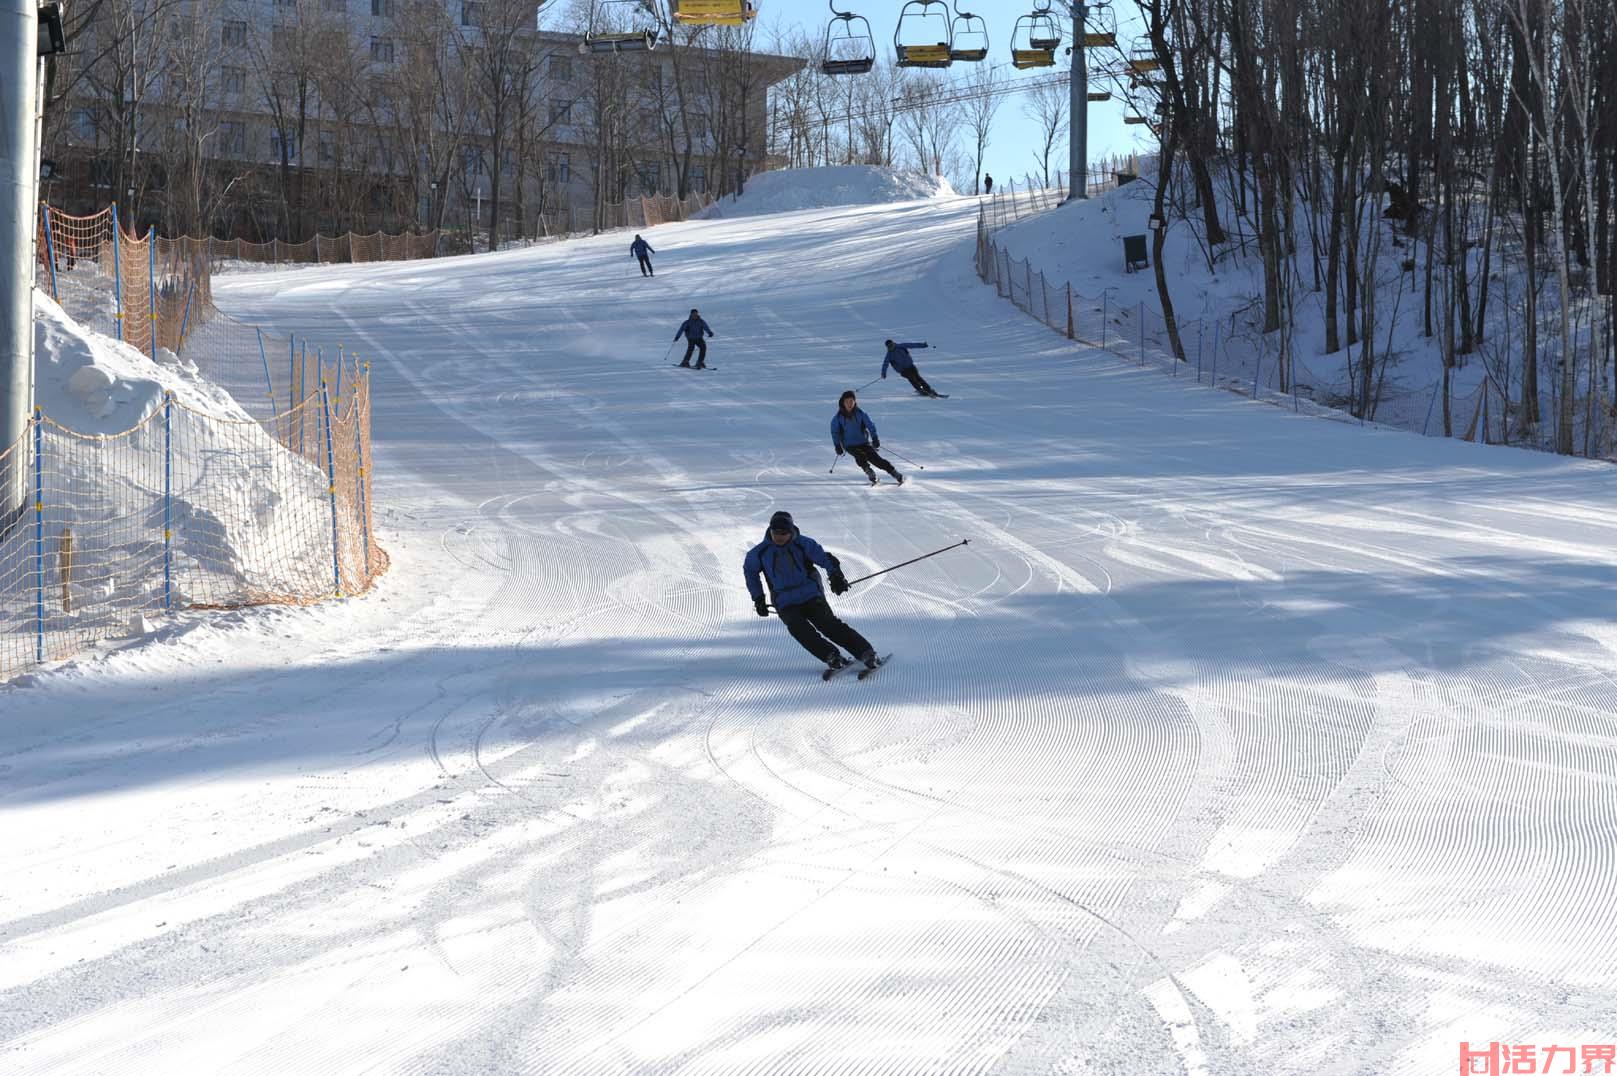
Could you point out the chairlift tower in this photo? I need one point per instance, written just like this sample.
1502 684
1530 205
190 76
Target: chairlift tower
1078 135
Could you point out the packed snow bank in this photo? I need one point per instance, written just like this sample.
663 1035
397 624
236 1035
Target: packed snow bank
93 384
1218 298
817 188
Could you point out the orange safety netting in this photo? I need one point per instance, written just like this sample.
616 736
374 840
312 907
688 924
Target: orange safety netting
187 508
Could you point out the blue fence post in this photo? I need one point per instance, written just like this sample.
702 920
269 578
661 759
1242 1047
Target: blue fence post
39 533
303 380
117 273
268 384
168 502
151 282
359 481
50 247
1427 424
331 476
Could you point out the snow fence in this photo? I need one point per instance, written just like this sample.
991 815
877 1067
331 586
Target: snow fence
198 505
1142 335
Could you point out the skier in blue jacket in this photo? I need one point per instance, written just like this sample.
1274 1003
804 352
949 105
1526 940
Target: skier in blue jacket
642 250
787 559
898 357
693 329
853 432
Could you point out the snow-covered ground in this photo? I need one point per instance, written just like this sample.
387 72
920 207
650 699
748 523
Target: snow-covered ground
1236 741
820 188
1218 299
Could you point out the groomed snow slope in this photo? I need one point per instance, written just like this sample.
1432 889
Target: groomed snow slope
820 188
1235 742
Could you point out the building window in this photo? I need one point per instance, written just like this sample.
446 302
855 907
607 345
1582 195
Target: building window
233 79
698 179
560 111
561 68
472 160
382 50
234 35
100 173
84 124
382 9
326 148
232 138
471 13
278 140
649 174
281 39
558 168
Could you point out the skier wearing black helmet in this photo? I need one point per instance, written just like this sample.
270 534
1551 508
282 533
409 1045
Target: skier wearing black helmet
788 562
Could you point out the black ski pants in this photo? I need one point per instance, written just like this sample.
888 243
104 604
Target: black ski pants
913 376
698 345
864 456
645 265
816 627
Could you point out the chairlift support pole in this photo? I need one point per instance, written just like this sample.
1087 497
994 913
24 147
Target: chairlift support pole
1078 136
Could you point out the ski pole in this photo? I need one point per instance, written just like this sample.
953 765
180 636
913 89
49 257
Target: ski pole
670 350
912 560
867 384
833 469
906 459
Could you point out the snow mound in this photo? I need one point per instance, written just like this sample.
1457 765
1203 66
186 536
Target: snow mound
93 384
817 188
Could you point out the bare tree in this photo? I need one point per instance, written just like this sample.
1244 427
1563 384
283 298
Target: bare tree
1048 106
980 107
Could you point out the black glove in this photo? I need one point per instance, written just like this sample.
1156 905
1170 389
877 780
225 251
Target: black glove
758 604
875 442
839 582
839 450
884 377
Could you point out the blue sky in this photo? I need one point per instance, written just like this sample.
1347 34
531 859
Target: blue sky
1013 145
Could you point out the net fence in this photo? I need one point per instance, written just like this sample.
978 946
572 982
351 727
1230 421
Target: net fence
188 508
1211 353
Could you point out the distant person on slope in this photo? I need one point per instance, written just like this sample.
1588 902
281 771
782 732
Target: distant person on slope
642 250
693 329
786 559
898 357
988 183
854 433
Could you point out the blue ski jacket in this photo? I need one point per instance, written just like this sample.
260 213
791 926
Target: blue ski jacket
898 356
788 569
854 429
640 248
693 329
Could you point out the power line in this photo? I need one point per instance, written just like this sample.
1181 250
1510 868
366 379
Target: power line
959 93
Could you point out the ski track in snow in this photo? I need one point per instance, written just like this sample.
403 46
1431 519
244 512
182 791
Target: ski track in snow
1233 742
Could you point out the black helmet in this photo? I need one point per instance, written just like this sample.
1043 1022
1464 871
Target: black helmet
887 343
781 523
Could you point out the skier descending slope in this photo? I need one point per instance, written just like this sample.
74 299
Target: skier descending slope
693 329
787 560
898 357
642 251
852 431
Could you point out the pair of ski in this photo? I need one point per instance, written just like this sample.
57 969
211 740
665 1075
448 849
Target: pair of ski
678 365
832 674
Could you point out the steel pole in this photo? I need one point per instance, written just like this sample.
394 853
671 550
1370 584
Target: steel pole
19 187
1078 134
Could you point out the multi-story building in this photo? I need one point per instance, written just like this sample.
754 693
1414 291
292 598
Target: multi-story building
279 118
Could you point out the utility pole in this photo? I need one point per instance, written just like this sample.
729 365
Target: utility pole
19 193
1078 135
